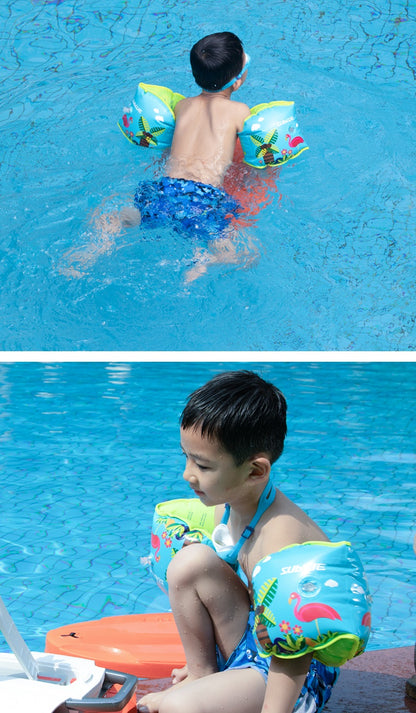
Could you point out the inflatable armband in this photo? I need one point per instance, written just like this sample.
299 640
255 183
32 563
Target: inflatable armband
175 521
312 598
270 135
150 121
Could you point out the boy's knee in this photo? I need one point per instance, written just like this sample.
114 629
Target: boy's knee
189 561
130 217
171 703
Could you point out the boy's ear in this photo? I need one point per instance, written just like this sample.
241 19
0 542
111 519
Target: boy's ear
237 84
260 467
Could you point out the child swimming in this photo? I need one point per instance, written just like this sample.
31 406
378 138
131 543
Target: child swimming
207 125
190 196
205 135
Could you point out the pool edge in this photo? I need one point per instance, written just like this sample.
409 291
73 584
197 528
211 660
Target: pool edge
375 681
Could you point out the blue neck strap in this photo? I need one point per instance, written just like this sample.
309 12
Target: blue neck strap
266 499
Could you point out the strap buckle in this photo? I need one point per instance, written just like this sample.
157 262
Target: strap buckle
247 532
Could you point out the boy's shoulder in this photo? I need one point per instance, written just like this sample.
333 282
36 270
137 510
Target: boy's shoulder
283 524
242 108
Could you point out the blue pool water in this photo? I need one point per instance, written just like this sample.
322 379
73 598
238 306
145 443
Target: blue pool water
328 262
87 450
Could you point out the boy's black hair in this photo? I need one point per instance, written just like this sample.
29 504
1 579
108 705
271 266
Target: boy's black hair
216 59
244 413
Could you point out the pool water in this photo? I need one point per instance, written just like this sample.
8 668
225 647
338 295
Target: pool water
326 264
88 449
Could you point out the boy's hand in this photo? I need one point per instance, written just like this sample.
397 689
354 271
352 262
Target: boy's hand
179 674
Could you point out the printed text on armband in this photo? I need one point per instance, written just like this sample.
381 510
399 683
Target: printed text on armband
303 568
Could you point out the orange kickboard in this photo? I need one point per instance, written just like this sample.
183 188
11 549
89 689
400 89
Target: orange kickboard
145 645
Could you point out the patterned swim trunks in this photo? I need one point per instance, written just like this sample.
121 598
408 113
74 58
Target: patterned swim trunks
189 207
317 689
245 655
319 681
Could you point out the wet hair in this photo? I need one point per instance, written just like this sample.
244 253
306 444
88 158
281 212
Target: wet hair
243 413
216 59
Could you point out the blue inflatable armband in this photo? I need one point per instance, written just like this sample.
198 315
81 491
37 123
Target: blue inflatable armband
312 598
175 521
270 135
150 121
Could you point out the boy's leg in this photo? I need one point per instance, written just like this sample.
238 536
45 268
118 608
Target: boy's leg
233 691
130 216
232 248
211 607
106 227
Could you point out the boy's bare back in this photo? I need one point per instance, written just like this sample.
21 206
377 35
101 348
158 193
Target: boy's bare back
205 136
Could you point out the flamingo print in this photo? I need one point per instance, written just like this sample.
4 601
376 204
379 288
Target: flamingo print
366 620
295 141
155 542
312 611
126 120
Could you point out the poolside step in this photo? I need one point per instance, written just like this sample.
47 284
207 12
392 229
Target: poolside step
375 681
411 687
372 683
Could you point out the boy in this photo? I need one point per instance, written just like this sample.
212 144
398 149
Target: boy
190 193
203 146
206 125
232 430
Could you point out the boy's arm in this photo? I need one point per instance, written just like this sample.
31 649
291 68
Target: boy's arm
284 683
243 114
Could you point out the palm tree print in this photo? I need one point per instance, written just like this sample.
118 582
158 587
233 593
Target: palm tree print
148 135
266 146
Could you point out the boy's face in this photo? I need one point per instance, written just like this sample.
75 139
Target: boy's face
210 471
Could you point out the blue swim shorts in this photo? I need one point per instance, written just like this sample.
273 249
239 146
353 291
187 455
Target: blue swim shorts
317 689
189 207
319 681
246 654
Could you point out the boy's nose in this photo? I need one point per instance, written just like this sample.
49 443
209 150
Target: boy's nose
188 475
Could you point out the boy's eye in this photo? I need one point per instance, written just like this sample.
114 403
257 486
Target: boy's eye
200 466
